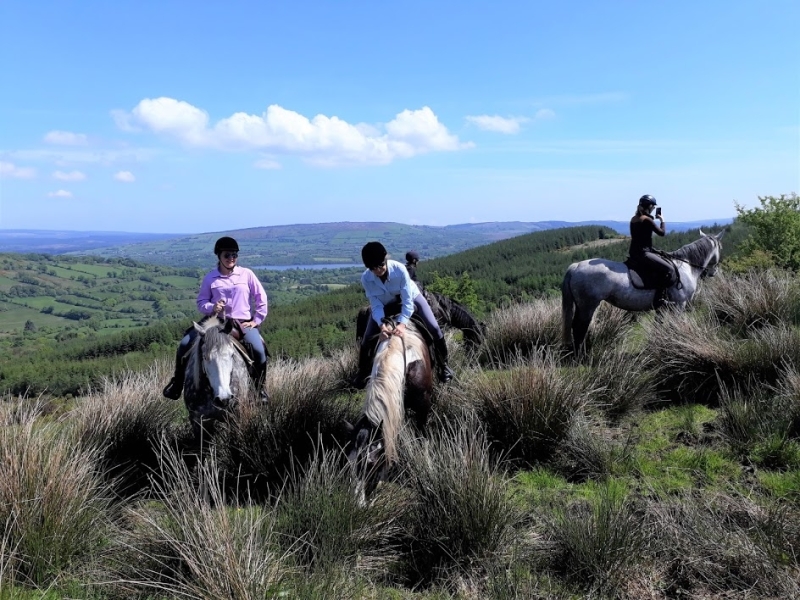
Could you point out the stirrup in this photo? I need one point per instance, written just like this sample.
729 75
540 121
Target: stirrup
446 374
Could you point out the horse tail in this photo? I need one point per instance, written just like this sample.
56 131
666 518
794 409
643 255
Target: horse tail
567 307
383 404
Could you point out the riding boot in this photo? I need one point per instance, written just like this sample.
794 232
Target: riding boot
174 388
260 380
359 382
661 299
445 372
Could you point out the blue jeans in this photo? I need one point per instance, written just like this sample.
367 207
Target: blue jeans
421 308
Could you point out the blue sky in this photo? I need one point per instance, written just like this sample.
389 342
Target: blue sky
202 116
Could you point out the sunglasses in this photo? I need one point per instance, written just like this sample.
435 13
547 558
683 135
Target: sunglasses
377 267
230 255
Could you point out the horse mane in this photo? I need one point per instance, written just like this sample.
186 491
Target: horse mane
695 252
383 405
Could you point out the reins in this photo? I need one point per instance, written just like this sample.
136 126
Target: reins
391 323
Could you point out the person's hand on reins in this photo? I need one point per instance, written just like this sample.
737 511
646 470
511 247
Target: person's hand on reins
390 328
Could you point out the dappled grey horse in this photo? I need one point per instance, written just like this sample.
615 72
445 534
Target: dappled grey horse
216 372
589 282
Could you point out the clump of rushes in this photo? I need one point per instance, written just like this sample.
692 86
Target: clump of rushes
263 442
463 516
125 422
598 541
720 544
608 327
520 330
196 542
528 410
751 301
320 517
624 381
762 422
53 502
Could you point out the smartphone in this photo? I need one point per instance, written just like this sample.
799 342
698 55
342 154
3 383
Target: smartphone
658 211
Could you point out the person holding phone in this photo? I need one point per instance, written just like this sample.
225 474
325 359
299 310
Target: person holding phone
642 254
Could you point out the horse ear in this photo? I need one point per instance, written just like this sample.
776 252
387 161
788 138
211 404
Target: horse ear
720 234
228 326
701 233
197 327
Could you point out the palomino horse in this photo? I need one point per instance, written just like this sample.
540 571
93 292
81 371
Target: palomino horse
587 283
448 313
216 372
401 379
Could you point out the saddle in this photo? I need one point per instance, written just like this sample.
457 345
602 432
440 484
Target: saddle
642 277
391 310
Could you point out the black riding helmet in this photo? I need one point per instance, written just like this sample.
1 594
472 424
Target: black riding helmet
647 200
225 243
373 254
411 256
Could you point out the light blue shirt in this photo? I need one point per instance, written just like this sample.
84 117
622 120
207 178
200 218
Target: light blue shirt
398 283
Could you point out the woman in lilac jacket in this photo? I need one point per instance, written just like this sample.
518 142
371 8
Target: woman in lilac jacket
234 292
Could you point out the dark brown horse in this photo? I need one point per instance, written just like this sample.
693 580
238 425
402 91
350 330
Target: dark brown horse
401 379
448 313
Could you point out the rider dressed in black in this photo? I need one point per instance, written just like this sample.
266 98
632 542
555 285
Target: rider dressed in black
642 254
412 258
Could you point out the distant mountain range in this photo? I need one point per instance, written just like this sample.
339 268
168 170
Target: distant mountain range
301 244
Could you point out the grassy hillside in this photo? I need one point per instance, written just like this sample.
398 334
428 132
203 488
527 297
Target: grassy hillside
100 305
665 465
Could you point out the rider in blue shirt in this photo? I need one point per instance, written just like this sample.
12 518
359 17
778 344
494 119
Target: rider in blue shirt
387 281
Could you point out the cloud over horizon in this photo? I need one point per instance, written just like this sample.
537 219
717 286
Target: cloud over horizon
321 140
60 194
12 171
496 123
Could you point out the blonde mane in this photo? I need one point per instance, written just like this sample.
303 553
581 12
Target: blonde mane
384 400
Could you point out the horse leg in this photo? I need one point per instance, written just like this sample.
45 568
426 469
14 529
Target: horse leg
580 327
418 393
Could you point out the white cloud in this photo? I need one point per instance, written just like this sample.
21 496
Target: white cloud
267 163
321 140
66 138
125 177
71 176
60 194
497 123
11 171
544 113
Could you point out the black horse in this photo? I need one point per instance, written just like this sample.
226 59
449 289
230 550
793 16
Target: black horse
448 313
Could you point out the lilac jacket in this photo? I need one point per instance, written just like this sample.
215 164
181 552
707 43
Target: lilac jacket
237 289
